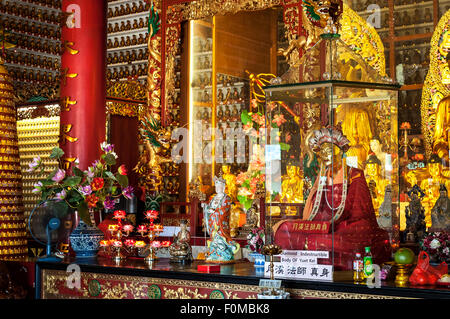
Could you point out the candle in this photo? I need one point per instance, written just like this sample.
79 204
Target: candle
156 244
139 243
129 242
158 227
104 243
117 243
119 214
142 229
113 227
128 228
165 243
151 214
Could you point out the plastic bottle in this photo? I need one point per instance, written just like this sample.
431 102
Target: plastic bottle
368 263
358 269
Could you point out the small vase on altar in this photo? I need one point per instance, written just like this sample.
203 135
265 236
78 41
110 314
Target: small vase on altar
85 239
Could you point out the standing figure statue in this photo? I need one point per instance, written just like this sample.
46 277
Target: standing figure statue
221 248
384 218
415 215
440 214
180 250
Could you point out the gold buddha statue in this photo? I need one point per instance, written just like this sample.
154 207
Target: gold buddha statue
432 184
231 190
442 128
231 187
377 184
292 188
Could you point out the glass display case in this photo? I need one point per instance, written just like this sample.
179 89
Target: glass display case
331 156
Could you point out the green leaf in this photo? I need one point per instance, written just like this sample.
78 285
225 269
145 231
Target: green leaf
83 213
245 117
285 147
110 175
72 181
56 153
110 159
246 184
122 180
77 172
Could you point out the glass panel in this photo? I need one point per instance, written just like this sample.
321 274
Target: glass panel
200 99
413 18
412 60
317 198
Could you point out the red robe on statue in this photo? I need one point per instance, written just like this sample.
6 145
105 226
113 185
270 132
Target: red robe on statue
355 229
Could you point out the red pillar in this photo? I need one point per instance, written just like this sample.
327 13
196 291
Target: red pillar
83 80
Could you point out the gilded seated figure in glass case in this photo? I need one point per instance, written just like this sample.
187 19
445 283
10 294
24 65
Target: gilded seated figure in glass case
375 181
292 188
339 195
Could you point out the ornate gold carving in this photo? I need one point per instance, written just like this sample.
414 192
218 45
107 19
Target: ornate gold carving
437 81
130 89
183 293
143 287
363 39
320 294
121 287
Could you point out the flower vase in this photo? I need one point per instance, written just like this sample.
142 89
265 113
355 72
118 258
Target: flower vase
85 239
258 259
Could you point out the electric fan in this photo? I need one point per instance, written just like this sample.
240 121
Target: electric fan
43 224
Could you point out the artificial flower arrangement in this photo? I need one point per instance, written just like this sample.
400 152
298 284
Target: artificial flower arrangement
254 124
95 188
255 240
436 244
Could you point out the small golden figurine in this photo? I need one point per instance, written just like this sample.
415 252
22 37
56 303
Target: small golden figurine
292 188
180 250
377 184
432 184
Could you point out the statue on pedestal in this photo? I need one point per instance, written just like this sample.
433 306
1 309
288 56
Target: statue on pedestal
220 247
415 215
375 181
440 214
384 218
292 188
180 250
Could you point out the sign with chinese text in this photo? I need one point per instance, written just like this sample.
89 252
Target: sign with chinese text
301 264
307 226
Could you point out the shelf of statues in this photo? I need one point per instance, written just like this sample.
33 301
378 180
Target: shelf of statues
229 113
143 14
134 26
19 28
128 57
51 53
126 43
33 77
25 21
124 72
36 67
51 5
120 9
